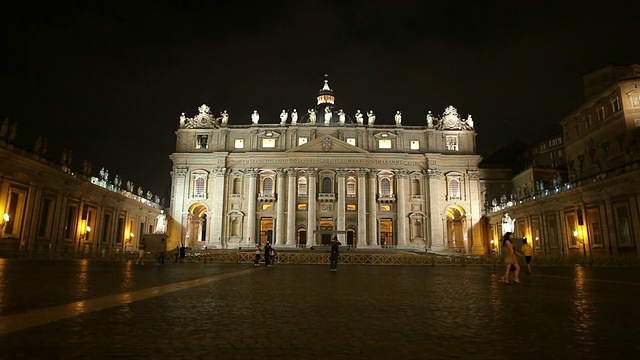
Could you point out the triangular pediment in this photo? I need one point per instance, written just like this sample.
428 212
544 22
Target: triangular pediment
328 144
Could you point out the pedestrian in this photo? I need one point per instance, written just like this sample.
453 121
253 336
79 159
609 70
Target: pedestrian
161 257
183 252
511 258
256 260
141 251
335 253
527 251
267 254
272 256
176 253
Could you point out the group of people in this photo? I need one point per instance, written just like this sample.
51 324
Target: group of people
179 252
511 258
269 255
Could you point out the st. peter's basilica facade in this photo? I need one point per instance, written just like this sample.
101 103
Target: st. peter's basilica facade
320 173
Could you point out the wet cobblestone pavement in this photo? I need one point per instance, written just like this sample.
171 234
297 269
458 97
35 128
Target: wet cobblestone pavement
308 312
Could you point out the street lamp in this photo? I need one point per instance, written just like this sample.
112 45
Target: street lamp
5 220
87 230
581 241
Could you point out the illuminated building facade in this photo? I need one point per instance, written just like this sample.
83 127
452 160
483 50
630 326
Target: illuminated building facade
319 173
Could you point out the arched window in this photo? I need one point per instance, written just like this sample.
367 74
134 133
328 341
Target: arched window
385 187
236 185
415 187
199 187
454 189
267 186
326 184
351 187
302 186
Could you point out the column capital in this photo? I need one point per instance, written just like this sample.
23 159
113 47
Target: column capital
292 172
434 173
362 172
281 172
251 173
473 174
218 172
401 173
181 171
312 172
341 172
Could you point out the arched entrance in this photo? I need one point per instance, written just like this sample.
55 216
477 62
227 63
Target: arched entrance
196 232
456 229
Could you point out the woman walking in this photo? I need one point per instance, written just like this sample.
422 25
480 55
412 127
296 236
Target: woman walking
511 258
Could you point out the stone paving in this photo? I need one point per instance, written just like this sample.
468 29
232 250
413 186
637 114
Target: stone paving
308 312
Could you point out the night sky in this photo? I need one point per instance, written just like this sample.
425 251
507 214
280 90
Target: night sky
110 83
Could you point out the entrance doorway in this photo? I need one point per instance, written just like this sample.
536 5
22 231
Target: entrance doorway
266 230
351 236
302 237
456 223
326 224
386 233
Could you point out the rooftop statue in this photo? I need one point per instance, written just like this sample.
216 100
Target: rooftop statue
371 118
341 117
312 116
225 117
294 117
327 115
359 118
255 117
398 118
429 119
283 117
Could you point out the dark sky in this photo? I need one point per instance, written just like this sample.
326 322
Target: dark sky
109 83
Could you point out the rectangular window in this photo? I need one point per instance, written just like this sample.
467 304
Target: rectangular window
239 144
302 140
267 206
268 143
451 143
71 221
198 189
106 225
44 224
587 122
552 227
384 144
601 113
351 207
415 145
571 228
624 226
120 230
615 104
385 207
595 233
352 141
202 141
302 206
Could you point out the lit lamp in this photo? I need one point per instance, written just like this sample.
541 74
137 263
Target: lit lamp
87 230
5 220
493 246
581 241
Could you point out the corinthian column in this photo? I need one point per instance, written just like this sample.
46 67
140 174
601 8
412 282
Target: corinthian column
373 208
291 207
311 208
362 207
217 199
436 218
280 223
340 222
252 175
401 176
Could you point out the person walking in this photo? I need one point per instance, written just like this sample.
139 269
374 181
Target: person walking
183 253
176 253
267 254
141 251
256 259
335 253
511 258
527 251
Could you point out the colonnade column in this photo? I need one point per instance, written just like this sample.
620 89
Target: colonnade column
291 207
401 202
311 208
179 191
340 222
362 207
280 223
437 221
477 247
252 176
373 208
216 196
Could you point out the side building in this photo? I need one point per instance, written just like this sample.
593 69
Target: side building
320 173
591 209
46 207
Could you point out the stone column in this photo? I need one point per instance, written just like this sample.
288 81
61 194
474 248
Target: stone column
373 208
216 203
401 202
436 219
362 207
291 207
177 230
280 222
250 230
342 194
477 247
311 208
